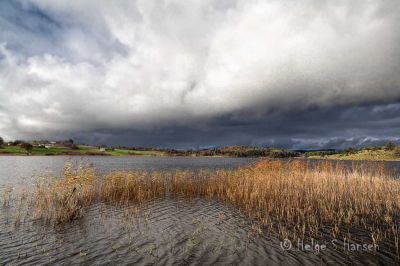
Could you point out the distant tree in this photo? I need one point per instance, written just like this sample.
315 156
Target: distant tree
27 146
17 142
390 146
350 150
1 141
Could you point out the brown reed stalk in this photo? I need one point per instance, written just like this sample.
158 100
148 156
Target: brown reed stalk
298 198
61 200
294 198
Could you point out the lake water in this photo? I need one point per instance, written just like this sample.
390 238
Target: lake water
166 232
18 170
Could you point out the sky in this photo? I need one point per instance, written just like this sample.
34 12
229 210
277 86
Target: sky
307 74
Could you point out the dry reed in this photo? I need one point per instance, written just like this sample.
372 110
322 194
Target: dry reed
61 200
131 187
297 198
293 198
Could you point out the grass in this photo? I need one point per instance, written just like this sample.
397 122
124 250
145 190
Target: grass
290 198
12 150
123 152
368 155
82 150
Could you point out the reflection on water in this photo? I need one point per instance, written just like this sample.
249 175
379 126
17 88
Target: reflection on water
166 232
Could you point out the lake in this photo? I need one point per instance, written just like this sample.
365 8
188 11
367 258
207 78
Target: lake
22 170
166 232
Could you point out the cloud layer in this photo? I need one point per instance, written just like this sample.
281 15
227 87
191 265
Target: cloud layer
102 67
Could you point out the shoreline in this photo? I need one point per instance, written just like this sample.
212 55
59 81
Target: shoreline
358 159
187 156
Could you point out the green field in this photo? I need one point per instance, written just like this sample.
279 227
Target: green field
369 155
82 150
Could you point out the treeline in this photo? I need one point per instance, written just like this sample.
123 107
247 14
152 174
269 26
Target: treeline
236 151
320 153
138 148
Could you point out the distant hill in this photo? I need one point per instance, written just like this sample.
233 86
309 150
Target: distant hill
386 153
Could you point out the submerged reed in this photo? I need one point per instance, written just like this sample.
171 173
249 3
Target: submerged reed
297 198
293 198
131 187
61 200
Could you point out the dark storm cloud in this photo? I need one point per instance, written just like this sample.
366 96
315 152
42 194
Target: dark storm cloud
314 128
201 72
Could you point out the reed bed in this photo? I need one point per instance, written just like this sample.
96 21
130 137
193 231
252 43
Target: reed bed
298 199
292 198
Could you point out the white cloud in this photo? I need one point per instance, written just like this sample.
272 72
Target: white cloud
147 63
